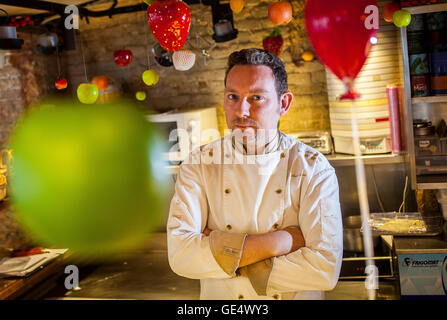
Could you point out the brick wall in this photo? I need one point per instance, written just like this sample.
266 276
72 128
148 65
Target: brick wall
23 80
202 85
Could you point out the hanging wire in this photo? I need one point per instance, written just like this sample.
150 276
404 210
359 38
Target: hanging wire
146 27
377 190
82 53
404 195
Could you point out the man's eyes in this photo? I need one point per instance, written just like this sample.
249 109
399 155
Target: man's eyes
255 97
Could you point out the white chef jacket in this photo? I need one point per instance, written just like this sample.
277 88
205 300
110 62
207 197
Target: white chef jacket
235 194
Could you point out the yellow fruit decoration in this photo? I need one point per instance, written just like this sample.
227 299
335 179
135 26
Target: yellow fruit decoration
150 77
308 56
236 5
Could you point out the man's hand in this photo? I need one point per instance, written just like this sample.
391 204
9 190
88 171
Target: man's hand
258 247
207 231
297 238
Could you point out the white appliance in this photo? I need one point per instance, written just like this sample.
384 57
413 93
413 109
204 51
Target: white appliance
185 130
373 125
319 140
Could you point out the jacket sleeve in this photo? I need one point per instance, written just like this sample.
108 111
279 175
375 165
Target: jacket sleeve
189 250
317 265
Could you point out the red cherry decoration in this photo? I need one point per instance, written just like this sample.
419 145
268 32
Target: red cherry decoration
122 57
61 84
169 21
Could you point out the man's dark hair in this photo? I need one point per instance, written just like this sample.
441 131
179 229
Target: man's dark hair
259 57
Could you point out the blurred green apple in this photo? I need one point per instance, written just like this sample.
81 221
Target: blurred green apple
88 178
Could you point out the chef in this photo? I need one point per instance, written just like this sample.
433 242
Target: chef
256 214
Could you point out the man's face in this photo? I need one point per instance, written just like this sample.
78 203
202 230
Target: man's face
251 102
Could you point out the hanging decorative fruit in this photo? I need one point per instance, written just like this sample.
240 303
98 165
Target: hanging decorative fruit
273 42
237 5
388 11
280 12
87 93
61 84
183 59
169 22
402 18
140 95
101 82
308 56
150 77
122 57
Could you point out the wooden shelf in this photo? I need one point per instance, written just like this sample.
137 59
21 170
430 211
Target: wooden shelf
431 99
427 8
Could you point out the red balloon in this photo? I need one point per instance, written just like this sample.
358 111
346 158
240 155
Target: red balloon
340 33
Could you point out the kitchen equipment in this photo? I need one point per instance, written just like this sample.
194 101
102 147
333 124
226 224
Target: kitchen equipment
368 145
431 165
319 140
373 118
427 145
423 127
422 267
352 236
405 224
185 130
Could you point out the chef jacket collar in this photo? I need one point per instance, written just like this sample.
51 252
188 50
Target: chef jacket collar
271 146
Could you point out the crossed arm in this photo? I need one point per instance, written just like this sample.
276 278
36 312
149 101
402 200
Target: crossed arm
259 247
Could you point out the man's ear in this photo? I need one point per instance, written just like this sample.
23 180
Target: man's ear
286 102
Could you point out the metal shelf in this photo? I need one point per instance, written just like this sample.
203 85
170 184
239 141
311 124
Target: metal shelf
349 160
429 8
340 160
438 181
432 99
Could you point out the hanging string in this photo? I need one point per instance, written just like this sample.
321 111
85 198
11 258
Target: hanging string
146 27
58 64
82 53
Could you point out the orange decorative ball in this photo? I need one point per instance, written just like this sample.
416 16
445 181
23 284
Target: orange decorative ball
236 5
101 82
280 12
308 56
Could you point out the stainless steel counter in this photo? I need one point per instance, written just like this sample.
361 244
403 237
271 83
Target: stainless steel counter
146 275
407 245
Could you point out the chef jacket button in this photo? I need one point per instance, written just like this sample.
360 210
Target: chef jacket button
283 155
229 227
278 191
211 153
240 297
228 190
275 296
276 226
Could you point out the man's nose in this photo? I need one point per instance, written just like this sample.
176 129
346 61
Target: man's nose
243 108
